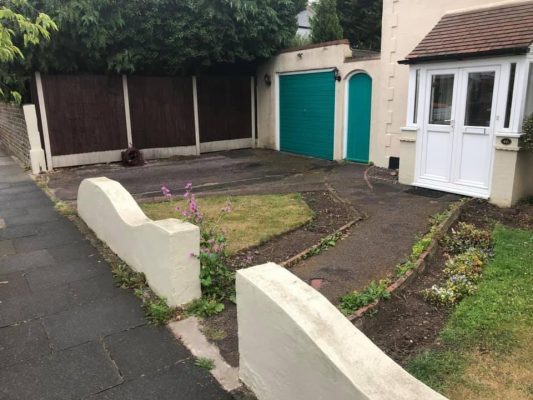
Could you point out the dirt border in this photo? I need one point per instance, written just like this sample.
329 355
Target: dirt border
420 264
342 231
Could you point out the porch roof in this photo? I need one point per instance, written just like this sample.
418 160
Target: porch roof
498 30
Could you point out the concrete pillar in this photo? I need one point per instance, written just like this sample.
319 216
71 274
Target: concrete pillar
37 157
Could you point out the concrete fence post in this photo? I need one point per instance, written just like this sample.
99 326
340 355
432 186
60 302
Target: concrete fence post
295 345
37 157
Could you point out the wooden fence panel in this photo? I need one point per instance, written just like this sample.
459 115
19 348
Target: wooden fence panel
224 108
85 113
162 111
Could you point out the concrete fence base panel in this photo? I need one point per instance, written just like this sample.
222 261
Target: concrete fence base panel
295 345
162 250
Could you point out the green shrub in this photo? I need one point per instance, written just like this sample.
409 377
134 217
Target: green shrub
467 236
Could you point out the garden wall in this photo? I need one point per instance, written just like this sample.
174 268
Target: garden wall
162 250
13 132
295 345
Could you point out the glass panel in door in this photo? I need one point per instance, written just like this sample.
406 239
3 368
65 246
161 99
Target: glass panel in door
475 128
437 135
479 96
441 99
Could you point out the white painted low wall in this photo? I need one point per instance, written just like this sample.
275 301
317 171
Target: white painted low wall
160 249
295 345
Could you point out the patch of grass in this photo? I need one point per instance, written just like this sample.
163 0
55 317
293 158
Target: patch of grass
64 209
494 324
205 363
214 334
252 221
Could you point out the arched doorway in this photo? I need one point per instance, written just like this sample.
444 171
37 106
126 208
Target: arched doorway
358 113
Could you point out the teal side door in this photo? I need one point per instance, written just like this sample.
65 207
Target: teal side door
359 110
307 114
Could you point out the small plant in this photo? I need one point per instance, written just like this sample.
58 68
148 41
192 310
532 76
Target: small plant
468 264
421 245
355 300
126 278
205 363
325 243
467 236
64 209
157 311
205 307
402 269
454 290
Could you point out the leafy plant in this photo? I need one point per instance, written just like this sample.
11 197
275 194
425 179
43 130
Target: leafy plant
126 278
157 311
205 307
205 363
469 264
325 244
462 270
454 290
355 300
467 236
21 28
526 140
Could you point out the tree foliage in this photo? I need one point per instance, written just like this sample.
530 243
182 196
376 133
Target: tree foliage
163 36
325 24
18 33
361 22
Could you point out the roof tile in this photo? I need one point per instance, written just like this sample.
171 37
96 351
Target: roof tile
501 29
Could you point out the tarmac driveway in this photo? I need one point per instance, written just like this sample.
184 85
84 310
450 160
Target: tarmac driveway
243 170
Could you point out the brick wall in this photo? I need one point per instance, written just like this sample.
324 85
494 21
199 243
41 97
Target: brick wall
13 133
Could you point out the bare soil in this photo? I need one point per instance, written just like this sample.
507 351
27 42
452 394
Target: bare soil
330 214
406 324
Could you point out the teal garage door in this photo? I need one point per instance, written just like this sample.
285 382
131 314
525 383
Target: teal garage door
307 113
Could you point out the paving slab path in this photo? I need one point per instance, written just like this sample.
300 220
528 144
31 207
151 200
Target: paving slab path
66 332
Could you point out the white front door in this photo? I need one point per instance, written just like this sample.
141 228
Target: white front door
455 150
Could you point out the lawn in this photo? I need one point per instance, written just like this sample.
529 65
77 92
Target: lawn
486 347
253 219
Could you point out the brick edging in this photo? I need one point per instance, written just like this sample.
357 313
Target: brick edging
420 264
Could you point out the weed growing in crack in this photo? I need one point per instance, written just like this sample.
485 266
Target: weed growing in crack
205 363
